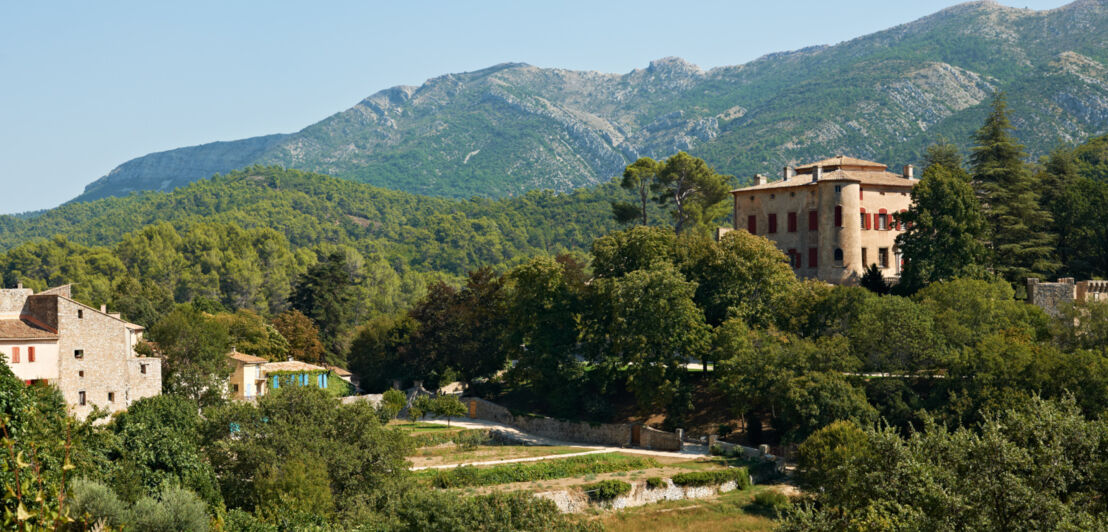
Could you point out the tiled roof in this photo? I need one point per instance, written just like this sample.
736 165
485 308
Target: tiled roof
338 371
841 160
863 177
291 365
248 359
24 330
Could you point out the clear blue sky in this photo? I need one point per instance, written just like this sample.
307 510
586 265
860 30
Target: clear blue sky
85 86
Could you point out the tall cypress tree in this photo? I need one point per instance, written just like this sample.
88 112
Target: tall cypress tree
1020 243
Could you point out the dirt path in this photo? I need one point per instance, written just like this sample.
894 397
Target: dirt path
531 439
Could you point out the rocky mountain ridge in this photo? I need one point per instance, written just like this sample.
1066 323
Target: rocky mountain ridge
515 127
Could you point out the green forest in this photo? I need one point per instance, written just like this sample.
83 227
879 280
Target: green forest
944 402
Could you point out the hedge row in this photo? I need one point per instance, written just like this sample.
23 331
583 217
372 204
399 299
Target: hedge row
606 490
528 472
467 436
712 478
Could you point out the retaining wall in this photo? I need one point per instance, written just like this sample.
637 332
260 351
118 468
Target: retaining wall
659 440
614 434
574 501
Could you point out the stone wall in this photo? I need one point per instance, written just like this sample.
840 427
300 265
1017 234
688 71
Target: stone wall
574 501
614 434
1050 296
658 440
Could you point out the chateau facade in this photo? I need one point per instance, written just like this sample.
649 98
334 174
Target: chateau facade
832 218
87 353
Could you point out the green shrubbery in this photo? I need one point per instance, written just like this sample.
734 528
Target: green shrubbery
655 483
545 470
93 504
606 490
711 478
771 501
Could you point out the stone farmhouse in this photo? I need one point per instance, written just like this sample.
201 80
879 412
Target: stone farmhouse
832 218
253 377
87 353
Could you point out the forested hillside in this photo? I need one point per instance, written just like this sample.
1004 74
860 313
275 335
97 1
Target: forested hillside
514 127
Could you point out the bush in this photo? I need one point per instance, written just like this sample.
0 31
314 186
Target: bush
655 483
712 478
240 521
92 503
392 402
771 501
528 472
606 490
177 509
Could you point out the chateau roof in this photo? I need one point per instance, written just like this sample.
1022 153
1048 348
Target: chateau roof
338 371
840 161
291 365
245 358
24 330
872 178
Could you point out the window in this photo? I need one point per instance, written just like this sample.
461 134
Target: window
752 224
235 388
771 196
865 263
838 216
78 353
81 373
111 397
794 258
142 369
276 382
883 220
81 398
899 223
813 255
15 355
31 354
883 257
772 223
865 220
838 189
813 220
792 222
838 257
80 314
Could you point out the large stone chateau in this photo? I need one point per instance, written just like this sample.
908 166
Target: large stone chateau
88 353
833 218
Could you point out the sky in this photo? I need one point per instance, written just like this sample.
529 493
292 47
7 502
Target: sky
86 86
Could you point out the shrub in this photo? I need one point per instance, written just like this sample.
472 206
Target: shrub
711 478
468 440
655 483
240 521
176 509
392 402
528 472
771 500
91 502
606 490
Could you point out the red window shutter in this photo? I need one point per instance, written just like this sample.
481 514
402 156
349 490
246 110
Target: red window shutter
30 354
875 224
792 258
752 224
838 216
860 194
15 355
813 254
772 223
792 222
813 220
899 223
865 220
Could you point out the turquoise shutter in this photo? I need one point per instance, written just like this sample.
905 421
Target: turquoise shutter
276 382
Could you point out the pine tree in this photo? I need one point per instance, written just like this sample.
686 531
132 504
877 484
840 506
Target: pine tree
1020 244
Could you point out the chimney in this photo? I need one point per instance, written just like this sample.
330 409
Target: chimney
908 170
787 172
104 309
759 179
19 286
817 174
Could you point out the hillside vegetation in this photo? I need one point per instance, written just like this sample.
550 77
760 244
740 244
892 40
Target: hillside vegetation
514 127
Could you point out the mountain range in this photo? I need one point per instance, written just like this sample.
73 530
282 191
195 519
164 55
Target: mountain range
514 127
